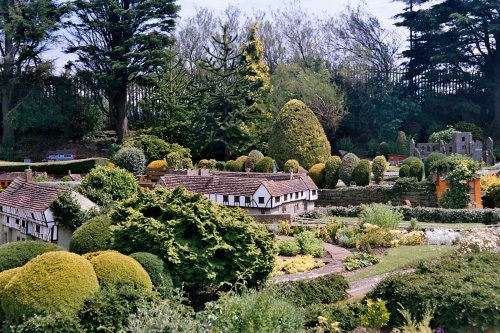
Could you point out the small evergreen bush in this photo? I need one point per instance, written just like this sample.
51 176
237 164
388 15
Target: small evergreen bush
157 271
348 315
317 174
66 179
417 170
5 278
131 159
16 254
379 166
409 160
92 236
291 165
59 322
404 171
332 171
265 165
384 149
174 160
240 161
433 157
288 247
157 165
155 148
362 173
349 163
220 165
231 165
309 244
253 159
384 216
203 164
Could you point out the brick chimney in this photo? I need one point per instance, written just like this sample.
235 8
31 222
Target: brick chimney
29 175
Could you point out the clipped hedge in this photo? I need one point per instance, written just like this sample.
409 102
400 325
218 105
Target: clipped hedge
291 165
463 291
95 235
253 159
362 173
348 315
240 162
265 165
404 171
433 157
379 166
332 171
317 174
156 269
422 214
56 168
5 278
322 290
349 163
417 170
52 282
16 254
155 148
114 269
131 159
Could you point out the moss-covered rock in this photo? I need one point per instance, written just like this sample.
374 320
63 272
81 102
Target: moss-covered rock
317 174
52 282
114 269
297 134
92 236
17 254
349 163
332 171
265 165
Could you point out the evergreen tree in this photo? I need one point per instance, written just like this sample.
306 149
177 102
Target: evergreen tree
119 41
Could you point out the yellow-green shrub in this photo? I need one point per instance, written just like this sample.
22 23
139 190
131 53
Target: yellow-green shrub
296 265
378 168
5 278
488 181
114 269
50 283
240 162
332 171
157 165
412 238
317 174
292 165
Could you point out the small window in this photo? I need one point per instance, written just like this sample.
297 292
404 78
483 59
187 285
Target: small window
248 200
18 238
314 192
286 197
1 208
434 148
277 199
302 194
450 149
37 228
463 139
17 221
32 216
464 147
23 223
261 200
225 198
296 195
236 198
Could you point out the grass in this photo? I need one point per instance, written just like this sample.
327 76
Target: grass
405 224
402 257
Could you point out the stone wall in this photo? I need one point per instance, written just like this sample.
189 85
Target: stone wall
354 196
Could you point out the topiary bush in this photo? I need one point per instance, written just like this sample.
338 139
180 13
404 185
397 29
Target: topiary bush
16 254
433 157
384 149
155 267
349 163
417 170
317 174
322 290
203 164
297 134
92 236
131 159
378 168
231 165
174 160
220 165
50 283
362 173
155 148
291 165
208 244
104 185
409 160
404 171
114 269
265 165
253 159
5 278
240 162
332 171
157 165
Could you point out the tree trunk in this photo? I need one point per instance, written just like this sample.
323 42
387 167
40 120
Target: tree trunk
8 129
118 107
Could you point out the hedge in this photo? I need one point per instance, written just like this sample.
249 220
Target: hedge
322 290
422 214
5 278
114 269
463 291
56 168
317 174
348 315
16 254
50 283
92 236
156 269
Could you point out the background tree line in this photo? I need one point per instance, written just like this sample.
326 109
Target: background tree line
213 81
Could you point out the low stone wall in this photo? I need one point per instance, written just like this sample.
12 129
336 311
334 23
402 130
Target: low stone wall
355 196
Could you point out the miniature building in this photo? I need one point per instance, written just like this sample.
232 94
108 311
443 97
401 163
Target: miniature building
474 186
257 193
62 155
462 143
25 213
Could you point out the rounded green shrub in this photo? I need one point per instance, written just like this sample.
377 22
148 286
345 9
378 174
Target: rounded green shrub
494 195
114 269
66 179
417 170
131 159
231 165
50 283
203 164
433 157
297 134
16 254
220 165
288 247
317 174
384 149
253 159
92 236
103 185
378 168
349 163
332 171
174 160
404 171
156 269
155 148
362 173
240 162
409 160
5 278
265 165
309 244
291 165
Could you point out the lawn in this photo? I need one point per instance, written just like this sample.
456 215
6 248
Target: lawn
402 257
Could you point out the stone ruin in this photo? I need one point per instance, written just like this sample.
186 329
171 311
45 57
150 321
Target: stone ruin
462 143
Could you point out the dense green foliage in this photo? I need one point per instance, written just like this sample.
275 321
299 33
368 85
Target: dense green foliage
379 166
347 315
322 290
362 173
131 159
297 134
5 277
332 171
417 170
92 236
317 174
433 157
67 211
462 291
288 247
59 322
404 171
257 312
384 216
57 168
50 283
309 244
265 165
291 166
157 271
103 185
349 163
16 254
155 148
207 243
445 135
254 157
360 260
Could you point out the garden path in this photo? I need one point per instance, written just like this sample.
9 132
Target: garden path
360 288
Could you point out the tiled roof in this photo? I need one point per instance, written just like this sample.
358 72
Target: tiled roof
29 195
279 188
255 175
12 175
213 184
